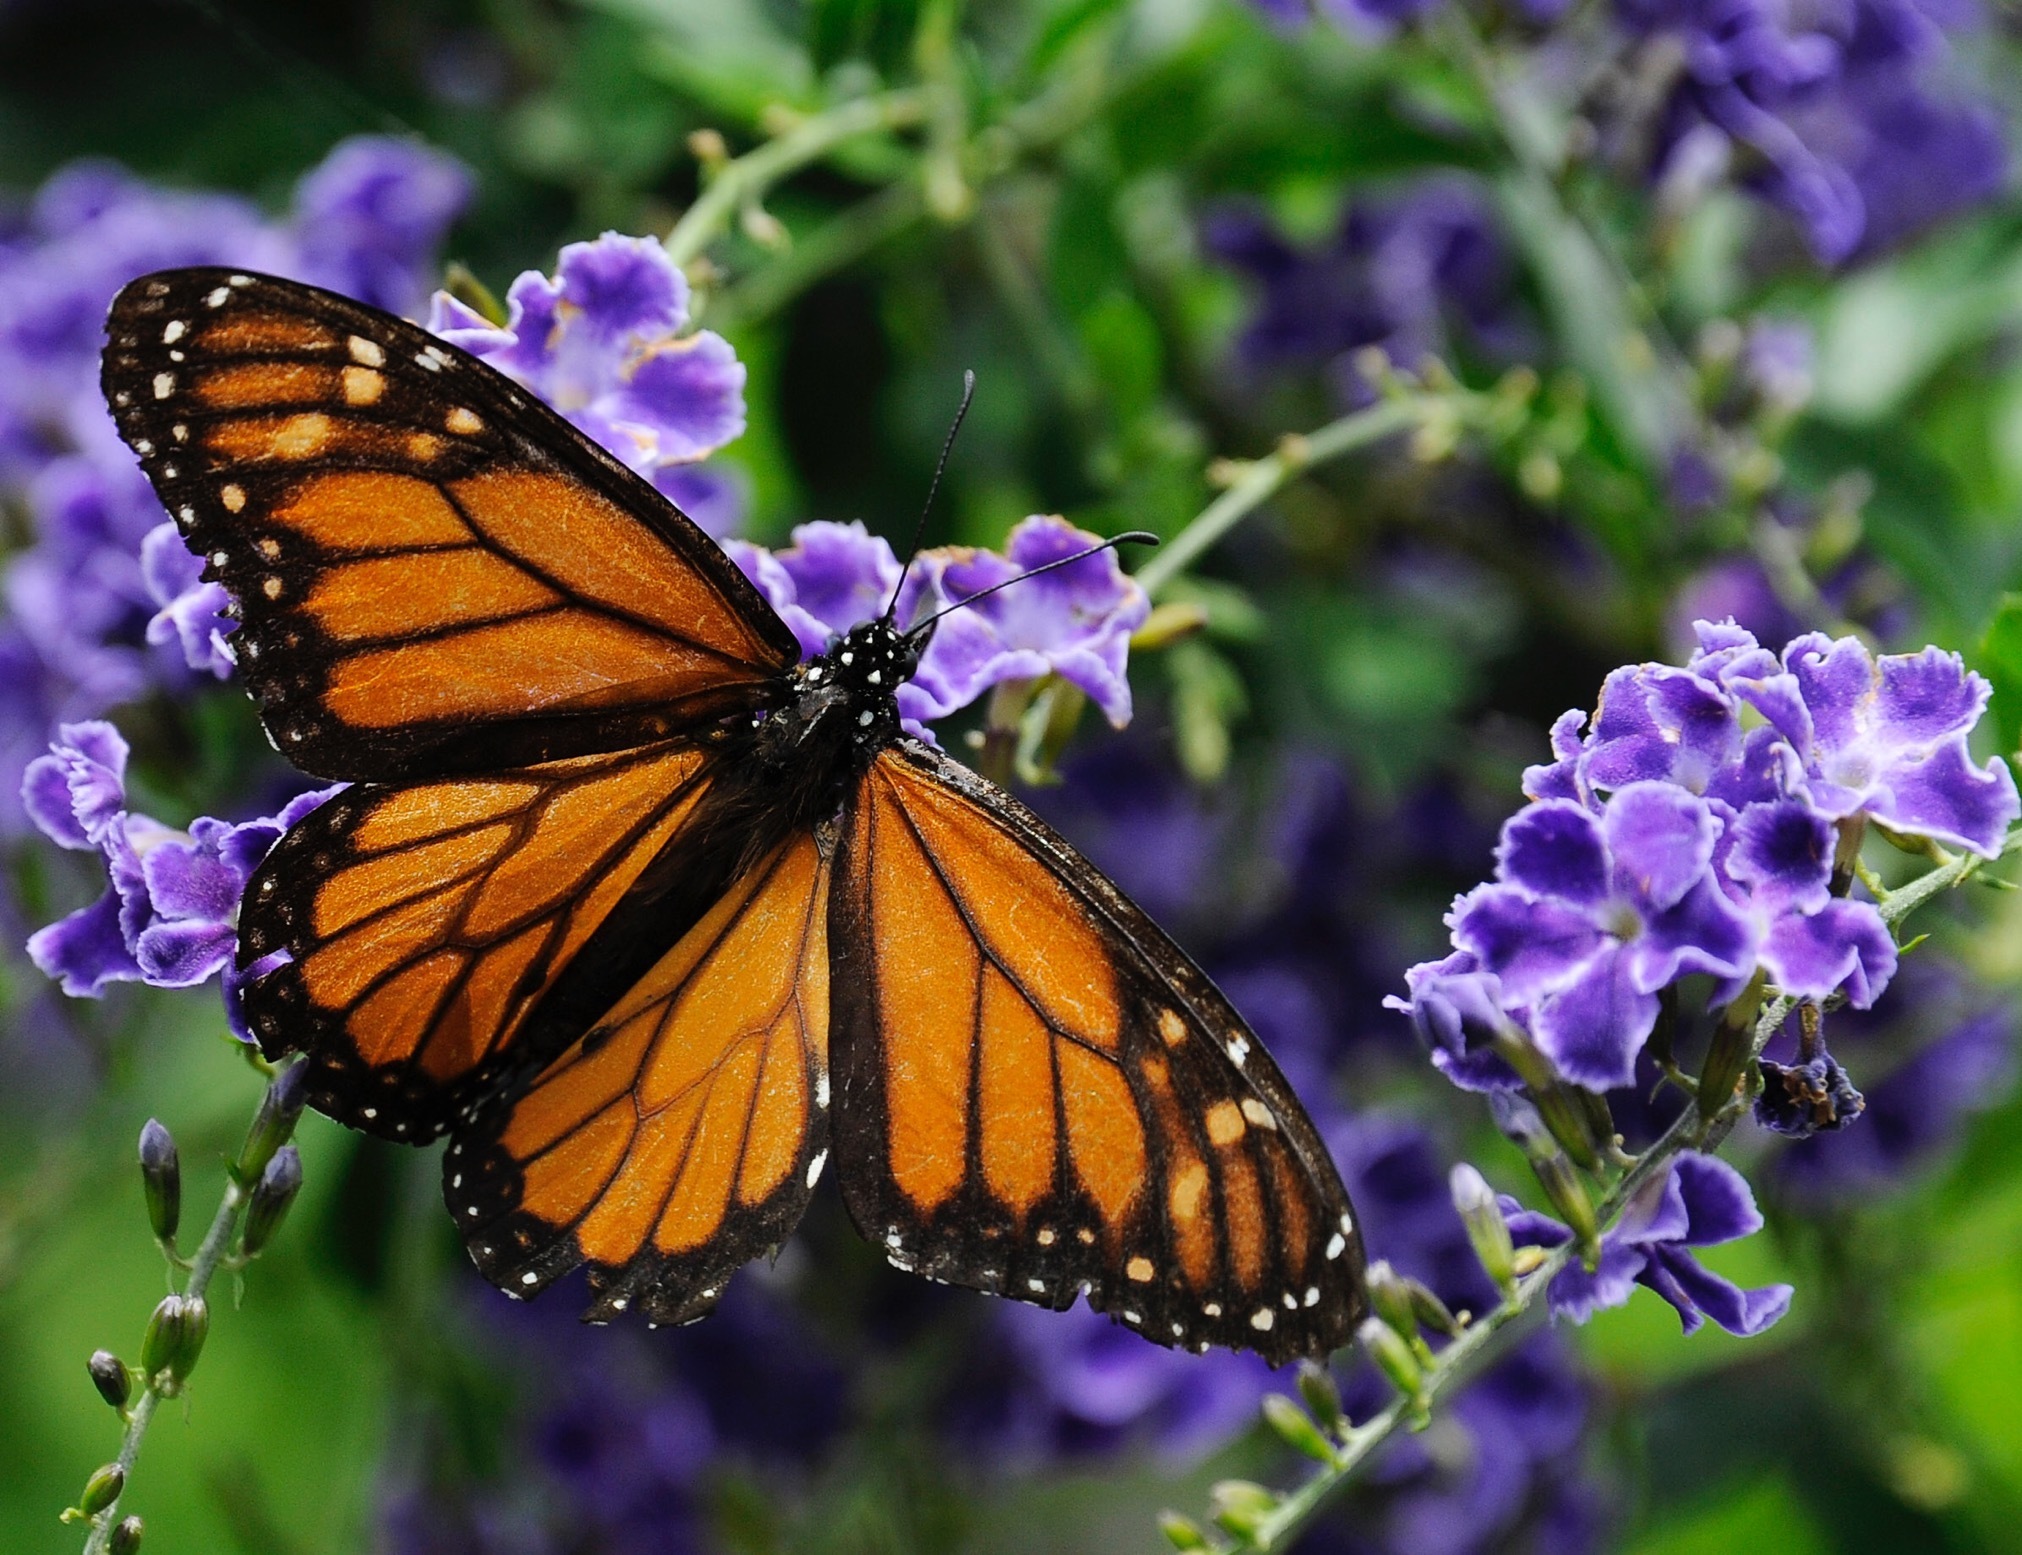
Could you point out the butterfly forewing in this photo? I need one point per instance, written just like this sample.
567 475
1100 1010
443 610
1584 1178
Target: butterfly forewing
684 1135
435 572
1040 1095
423 925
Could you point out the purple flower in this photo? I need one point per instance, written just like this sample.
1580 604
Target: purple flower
1459 1013
1887 737
369 218
602 341
1807 1098
1414 273
1836 112
192 613
1074 622
831 578
1590 917
1776 860
1701 1202
169 916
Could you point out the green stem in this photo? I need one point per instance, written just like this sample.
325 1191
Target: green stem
1478 1345
852 233
748 177
1262 479
210 1255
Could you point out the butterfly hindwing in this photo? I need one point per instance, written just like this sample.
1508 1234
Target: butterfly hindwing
435 572
422 925
1038 1094
683 1136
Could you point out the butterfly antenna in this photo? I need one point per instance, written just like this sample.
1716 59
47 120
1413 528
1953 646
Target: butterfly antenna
920 528
1129 537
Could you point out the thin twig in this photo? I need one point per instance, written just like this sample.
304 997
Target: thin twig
210 1254
1262 479
744 180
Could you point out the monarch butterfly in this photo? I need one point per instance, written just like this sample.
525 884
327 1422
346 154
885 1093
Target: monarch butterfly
648 916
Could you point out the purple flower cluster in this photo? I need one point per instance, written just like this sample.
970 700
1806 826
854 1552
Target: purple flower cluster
604 340
1417 273
1693 828
1700 1202
1837 114
1843 115
104 579
170 914
1074 622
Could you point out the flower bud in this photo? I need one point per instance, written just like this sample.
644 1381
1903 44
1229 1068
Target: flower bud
1182 1533
1317 1388
126 1537
1728 1053
1296 1429
1393 1357
1486 1229
273 1123
272 1196
1240 1506
161 1176
102 1489
1431 1312
1390 1299
1569 1197
110 1376
174 1340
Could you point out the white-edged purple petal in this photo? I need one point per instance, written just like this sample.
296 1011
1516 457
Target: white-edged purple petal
1534 946
1923 697
689 392
1782 852
622 288
1560 778
86 950
1576 1295
184 953
1844 945
1942 795
1593 1028
1702 931
1661 840
1554 848
1696 1290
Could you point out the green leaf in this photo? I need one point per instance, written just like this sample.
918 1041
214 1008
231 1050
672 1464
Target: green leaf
2000 660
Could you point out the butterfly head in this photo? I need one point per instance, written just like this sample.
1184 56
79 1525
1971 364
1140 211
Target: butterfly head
863 670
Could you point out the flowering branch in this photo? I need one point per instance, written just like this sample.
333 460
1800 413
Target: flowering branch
1436 413
740 183
260 1185
1257 1520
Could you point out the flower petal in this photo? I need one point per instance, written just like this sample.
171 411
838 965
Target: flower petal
1593 1029
181 955
1944 796
1553 848
1844 944
1661 839
86 950
689 392
1533 945
1717 1198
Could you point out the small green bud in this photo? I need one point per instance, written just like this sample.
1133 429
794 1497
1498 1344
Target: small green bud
126 1537
102 1489
1322 1396
174 1341
1486 1228
1239 1506
1296 1429
273 1123
1727 1055
1569 1197
1431 1312
1182 1533
161 1176
1390 1299
272 1196
1393 1357
110 1376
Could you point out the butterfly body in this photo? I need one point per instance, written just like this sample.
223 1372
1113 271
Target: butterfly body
650 918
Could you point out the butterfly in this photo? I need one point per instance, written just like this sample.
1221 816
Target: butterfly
651 918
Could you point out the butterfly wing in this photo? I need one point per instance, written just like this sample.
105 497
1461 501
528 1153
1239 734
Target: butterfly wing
683 1136
1040 1094
435 573
428 927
